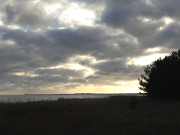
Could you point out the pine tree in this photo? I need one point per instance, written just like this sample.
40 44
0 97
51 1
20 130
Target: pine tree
162 78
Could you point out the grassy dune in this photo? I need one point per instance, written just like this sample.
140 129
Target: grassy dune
108 116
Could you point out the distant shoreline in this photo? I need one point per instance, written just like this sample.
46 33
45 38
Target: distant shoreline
92 94
75 94
42 97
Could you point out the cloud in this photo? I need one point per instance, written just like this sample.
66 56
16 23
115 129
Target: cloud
47 14
169 37
148 21
110 71
44 50
26 14
33 56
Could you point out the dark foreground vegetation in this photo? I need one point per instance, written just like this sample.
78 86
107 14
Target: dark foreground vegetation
162 78
108 116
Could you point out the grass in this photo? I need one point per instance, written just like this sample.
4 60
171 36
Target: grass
107 116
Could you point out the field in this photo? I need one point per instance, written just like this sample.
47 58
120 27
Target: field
107 116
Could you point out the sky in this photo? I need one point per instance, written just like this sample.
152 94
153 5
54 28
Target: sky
83 46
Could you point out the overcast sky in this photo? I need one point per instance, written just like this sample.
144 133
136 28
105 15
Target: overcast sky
83 46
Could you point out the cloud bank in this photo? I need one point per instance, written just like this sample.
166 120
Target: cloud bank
66 45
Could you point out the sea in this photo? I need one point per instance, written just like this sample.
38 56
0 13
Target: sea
51 97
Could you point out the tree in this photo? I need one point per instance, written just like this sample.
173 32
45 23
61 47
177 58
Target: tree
162 78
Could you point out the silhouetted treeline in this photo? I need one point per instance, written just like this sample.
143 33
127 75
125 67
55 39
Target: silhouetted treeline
162 77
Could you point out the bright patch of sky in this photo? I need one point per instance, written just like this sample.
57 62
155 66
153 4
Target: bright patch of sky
146 60
124 87
75 15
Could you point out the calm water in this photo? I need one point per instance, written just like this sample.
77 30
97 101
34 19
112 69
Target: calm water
39 97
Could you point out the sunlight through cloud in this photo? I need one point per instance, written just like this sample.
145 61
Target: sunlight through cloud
75 15
145 60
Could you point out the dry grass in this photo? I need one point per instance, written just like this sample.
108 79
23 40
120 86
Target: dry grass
108 116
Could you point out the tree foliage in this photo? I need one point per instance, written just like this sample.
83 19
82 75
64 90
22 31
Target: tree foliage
162 77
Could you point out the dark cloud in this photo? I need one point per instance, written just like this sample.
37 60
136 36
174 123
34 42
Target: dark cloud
124 29
119 12
129 17
143 20
117 68
160 8
26 14
34 52
169 36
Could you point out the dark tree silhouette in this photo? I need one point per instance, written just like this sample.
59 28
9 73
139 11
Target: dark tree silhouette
162 78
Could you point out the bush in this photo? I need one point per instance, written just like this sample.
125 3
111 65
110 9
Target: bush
162 78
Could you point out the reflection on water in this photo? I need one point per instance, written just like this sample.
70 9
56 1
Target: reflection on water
39 97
